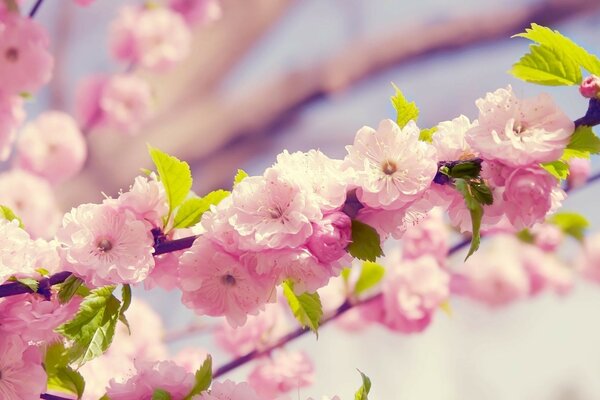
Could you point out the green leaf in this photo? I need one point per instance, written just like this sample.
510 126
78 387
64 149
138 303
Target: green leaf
31 283
306 307
191 210
9 215
562 44
583 143
370 275
464 169
547 66
558 169
405 111
481 192
426 134
203 378
240 176
161 394
104 397
93 326
525 236
61 377
366 244
68 289
475 209
572 224
175 176
364 389
125 303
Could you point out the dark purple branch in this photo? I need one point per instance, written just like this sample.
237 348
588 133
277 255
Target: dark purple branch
35 8
592 116
174 245
47 396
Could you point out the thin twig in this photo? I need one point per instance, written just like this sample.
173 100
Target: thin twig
35 8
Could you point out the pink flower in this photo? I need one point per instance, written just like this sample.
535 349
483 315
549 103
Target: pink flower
258 332
431 236
520 132
26 64
40 213
33 318
164 375
395 222
494 275
412 292
316 174
590 87
164 273
450 141
52 147
392 168
528 196
229 390
271 212
216 283
580 170
21 371
106 246
11 116
197 11
87 101
281 373
589 262
14 251
330 237
547 236
156 38
146 199
190 358
126 102
546 271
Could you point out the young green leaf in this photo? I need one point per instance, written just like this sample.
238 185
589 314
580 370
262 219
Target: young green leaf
240 176
203 378
31 283
61 377
583 143
306 307
559 169
161 394
191 210
475 210
68 289
93 326
405 110
426 134
572 224
547 66
175 176
365 244
370 275
9 215
364 389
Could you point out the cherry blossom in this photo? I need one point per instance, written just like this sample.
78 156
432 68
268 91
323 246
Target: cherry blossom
22 376
282 373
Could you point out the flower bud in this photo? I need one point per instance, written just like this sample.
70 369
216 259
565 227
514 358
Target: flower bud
590 87
330 237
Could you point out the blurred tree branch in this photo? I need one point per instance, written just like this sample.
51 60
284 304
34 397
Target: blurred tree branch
216 133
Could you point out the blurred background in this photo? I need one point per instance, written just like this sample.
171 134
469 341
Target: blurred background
283 74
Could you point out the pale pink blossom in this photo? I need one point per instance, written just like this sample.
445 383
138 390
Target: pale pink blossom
229 390
547 237
14 251
52 147
460 216
258 332
450 141
190 358
126 102
22 376
87 101
395 222
495 274
330 237
106 246
590 87
164 274
283 372
580 170
197 11
34 318
216 283
545 271
271 212
26 63
318 175
431 236
391 166
155 38
164 375
520 132
412 292
146 199
11 116
39 212
528 196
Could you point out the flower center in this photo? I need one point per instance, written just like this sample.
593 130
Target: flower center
228 280
11 54
104 246
389 167
276 212
519 128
